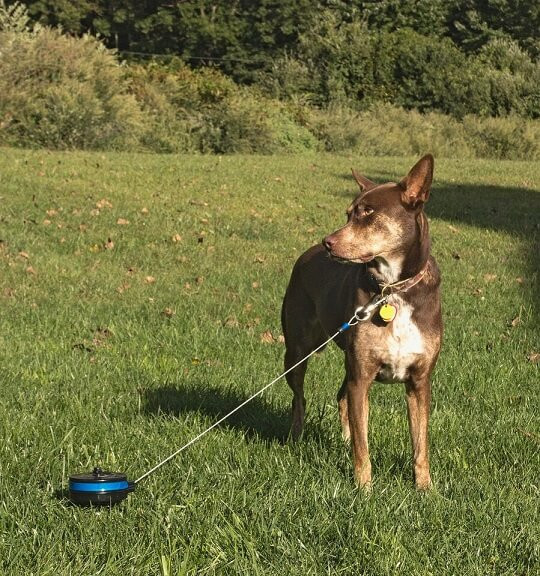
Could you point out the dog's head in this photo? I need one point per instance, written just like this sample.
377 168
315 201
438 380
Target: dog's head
383 220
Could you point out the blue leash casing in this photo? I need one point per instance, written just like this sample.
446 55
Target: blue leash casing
99 488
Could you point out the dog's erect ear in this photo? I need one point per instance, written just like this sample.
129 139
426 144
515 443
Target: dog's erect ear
364 183
417 184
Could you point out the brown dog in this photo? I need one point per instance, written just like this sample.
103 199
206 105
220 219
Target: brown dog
392 286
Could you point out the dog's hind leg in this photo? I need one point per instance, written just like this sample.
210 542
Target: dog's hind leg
295 379
343 411
303 333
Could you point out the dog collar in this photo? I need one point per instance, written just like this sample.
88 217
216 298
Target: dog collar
400 286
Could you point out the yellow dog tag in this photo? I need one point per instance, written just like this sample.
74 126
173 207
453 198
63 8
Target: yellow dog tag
387 312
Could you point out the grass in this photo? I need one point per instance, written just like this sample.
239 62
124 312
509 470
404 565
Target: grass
121 341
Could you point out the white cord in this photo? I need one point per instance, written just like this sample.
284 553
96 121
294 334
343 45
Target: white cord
354 320
361 314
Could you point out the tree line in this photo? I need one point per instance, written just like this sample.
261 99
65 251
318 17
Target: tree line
283 80
422 55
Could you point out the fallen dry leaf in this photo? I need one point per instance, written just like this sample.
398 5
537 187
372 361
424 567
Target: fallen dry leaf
169 312
122 222
94 212
46 222
515 321
490 277
144 210
453 229
52 212
267 337
534 357
253 322
519 280
30 270
103 203
231 322
123 287
109 245
149 279
255 285
101 335
24 255
176 238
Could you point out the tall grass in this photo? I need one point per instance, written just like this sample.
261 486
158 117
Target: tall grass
386 130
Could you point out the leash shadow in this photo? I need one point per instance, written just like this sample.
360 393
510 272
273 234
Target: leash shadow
258 419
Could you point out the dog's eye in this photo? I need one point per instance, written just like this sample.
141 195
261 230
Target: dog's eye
367 210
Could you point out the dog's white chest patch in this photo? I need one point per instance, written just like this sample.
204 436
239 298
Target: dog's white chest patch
402 345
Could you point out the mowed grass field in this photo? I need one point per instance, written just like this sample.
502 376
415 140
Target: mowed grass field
140 299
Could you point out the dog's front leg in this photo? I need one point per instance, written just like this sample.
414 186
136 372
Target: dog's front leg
418 399
358 385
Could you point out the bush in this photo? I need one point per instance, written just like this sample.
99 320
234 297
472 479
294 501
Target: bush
432 74
513 79
511 138
388 130
61 92
344 63
204 111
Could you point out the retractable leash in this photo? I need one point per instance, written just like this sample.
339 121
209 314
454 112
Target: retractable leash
106 488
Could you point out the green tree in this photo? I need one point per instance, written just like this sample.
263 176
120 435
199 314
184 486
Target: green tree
473 23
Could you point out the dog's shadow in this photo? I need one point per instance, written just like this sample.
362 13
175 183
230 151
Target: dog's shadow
258 419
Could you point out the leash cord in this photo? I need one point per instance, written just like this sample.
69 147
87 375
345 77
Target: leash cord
354 320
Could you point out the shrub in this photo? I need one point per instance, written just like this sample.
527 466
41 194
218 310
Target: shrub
344 63
513 79
388 130
511 138
61 92
204 111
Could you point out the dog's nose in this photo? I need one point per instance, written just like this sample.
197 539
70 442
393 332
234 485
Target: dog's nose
328 243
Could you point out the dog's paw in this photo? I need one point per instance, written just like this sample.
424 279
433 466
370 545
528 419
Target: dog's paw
423 484
363 477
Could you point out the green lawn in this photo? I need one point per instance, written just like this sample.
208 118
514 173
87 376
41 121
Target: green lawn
139 300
